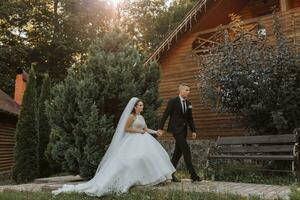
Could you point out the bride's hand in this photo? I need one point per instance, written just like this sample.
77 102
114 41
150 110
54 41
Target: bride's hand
160 132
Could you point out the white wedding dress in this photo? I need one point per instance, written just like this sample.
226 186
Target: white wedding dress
133 159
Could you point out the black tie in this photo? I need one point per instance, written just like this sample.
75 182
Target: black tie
184 106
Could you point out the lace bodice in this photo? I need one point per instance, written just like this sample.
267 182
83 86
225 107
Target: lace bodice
139 122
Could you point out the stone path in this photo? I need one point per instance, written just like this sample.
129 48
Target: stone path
244 189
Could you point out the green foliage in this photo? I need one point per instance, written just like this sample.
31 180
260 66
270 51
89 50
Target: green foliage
295 193
26 158
255 79
87 105
6 182
43 128
174 15
95 148
54 34
61 111
137 14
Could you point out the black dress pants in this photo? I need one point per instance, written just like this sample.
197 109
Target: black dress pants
182 148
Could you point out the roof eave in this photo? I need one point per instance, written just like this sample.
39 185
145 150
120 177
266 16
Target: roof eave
187 21
9 112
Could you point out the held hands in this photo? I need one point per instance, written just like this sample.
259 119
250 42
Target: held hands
194 135
160 132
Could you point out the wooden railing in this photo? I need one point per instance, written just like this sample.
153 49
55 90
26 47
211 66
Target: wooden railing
187 20
290 25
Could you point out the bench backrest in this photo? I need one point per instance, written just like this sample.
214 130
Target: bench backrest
266 139
257 144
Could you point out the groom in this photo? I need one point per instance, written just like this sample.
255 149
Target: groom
180 111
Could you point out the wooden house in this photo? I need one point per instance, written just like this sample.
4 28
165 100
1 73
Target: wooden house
176 54
9 111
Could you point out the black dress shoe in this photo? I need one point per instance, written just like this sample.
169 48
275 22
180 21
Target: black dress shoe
174 179
196 178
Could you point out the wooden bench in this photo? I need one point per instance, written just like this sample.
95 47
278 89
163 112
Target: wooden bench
267 147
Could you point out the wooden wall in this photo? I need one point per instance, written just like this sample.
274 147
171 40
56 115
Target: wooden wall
294 3
7 141
177 66
257 8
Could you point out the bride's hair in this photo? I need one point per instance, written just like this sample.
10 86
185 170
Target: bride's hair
136 103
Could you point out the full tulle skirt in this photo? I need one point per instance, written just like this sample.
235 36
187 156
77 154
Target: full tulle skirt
140 160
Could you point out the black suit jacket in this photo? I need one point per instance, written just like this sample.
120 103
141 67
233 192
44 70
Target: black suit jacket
178 120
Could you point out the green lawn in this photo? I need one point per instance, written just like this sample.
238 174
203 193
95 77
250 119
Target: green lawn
252 176
230 175
138 194
7 182
134 194
243 176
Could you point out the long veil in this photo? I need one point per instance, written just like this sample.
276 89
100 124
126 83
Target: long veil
119 133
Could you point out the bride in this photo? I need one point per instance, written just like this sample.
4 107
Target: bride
134 157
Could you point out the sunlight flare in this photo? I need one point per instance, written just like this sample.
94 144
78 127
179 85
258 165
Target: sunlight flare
115 2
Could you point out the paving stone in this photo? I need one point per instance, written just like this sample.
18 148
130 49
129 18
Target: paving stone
59 179
243 189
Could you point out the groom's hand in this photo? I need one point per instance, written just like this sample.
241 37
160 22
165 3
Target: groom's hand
194 135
